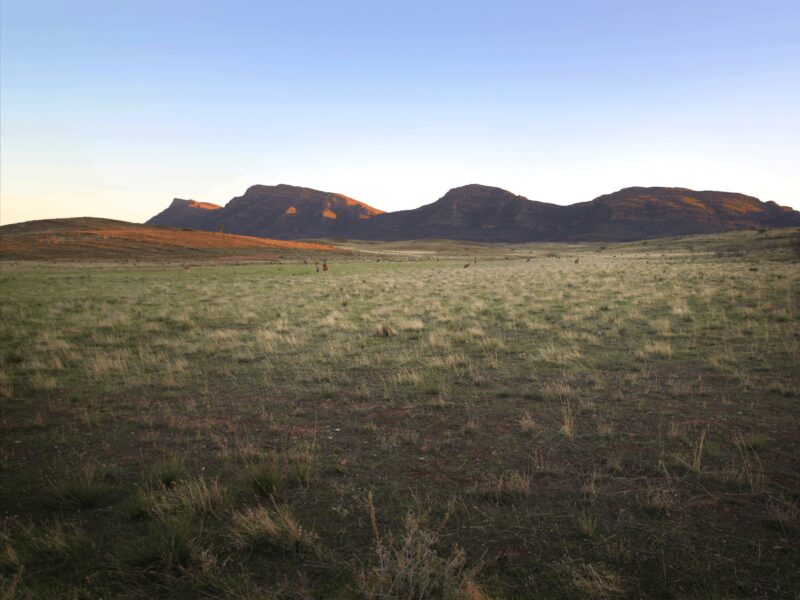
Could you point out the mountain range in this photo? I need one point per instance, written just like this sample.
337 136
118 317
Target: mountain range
479 213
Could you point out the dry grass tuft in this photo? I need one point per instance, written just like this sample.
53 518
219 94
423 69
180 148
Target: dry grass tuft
594 581
385 330
697 460
411 325
192 497
507 487
784 512
53 543
568 421
408 567
752 470
587 523
527 423
657 349
84 490
262 528
265 478
659 499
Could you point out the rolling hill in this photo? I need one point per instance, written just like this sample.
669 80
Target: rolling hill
97 239
481 213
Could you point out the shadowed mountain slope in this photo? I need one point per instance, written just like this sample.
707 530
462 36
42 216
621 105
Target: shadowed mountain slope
483 213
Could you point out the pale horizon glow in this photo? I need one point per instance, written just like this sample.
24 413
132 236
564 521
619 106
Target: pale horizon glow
114 109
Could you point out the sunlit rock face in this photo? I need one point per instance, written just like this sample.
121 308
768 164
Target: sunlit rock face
481 213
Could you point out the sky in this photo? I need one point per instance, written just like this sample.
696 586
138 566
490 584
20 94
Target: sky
113 108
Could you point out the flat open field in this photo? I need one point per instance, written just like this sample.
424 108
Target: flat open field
550 422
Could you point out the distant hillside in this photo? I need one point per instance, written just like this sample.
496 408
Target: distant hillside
641 212
472 212
481 213
99 239
280 211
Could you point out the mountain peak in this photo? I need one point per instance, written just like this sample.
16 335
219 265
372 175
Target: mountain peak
261 188
178 203
282 193
477 190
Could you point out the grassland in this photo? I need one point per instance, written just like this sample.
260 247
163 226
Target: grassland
552 421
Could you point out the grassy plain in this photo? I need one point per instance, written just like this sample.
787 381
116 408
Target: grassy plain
551 421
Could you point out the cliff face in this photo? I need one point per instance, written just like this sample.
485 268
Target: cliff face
480 213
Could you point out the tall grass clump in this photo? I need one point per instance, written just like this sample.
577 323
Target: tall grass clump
171 544
567 420
84 490
45 546
168 472
265 478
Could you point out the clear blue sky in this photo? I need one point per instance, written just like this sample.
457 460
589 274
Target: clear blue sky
112 108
